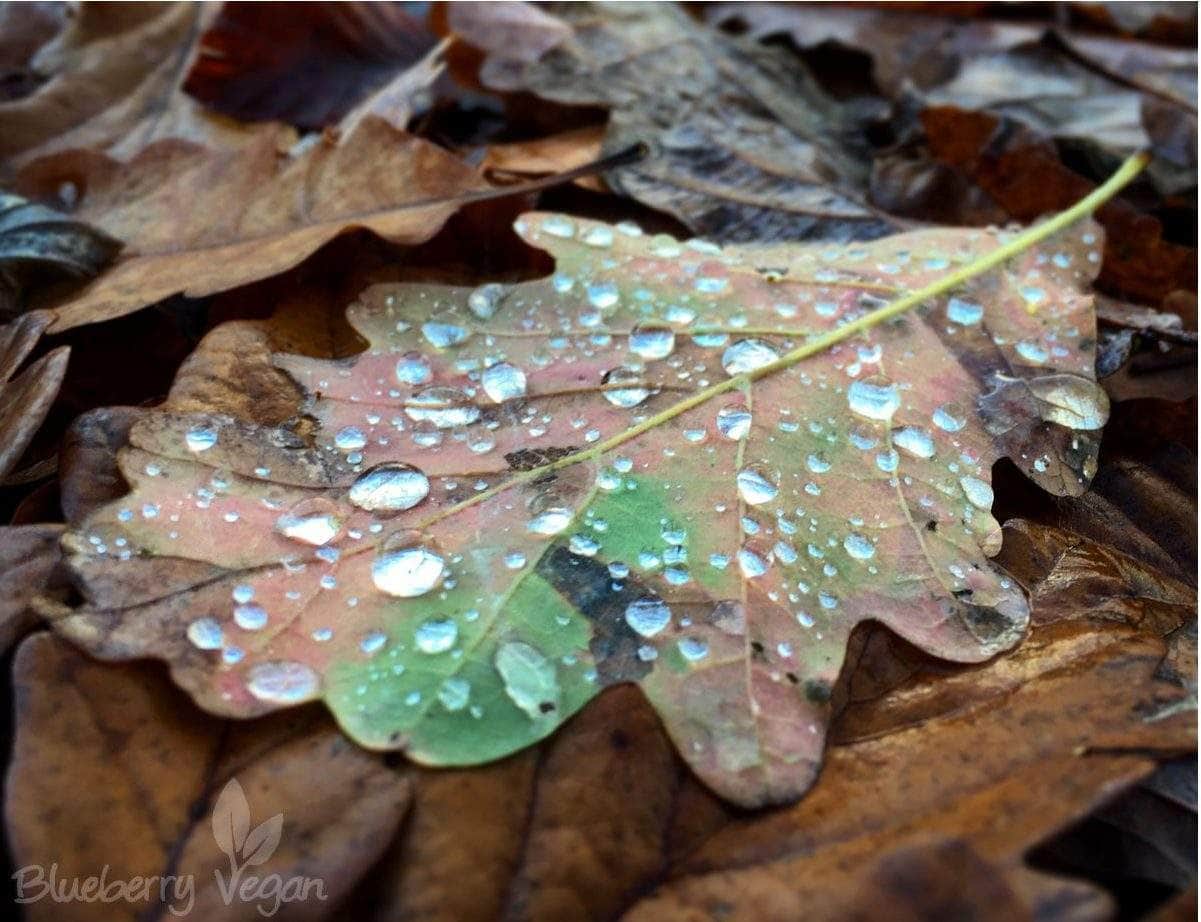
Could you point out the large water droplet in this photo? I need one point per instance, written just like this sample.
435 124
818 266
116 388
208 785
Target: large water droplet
250 617
503 381
445 407
444 335
483 301
755 488
964 313
978 493
350 438
550 521
200 438
436 635
746 355
950 417
529 679
625 397
391 487
914 441
282 682
206 634
652 341
874 398
406 568
413 368
734 422
648 617
859 547
312 521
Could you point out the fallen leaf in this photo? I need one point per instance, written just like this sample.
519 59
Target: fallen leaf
29 566
509 519
26 398
746 145
197 220
309 68
113 769
111 80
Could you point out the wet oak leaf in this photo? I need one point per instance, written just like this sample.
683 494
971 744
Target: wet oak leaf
199 220
518 495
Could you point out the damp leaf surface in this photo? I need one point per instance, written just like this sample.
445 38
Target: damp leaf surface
519 495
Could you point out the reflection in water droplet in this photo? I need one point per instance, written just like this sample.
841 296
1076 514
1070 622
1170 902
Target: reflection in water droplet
529 679
405 569
282 682
391 487
648 617
206 634
436 635
454 693
413 368
874 398
978 493
734 422
503 381
755 488
444 335
914 441
250 617
312 521
746 355
625 397
200 438
550 521
652 341
964 313
859 546
950 417
483 301
445 407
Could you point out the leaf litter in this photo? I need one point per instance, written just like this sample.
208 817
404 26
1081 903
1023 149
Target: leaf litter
621 473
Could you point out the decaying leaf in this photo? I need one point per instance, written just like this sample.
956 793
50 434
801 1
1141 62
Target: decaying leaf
199 220
139 803
747 145
522 494
29 566
26 398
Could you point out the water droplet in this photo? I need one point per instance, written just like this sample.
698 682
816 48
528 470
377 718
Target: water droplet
914 441
529 679
200 438
746 355
750 563
859 546
734 422
373 642
652 341
483 301
755 488
444 335
445 407
558 226
312 521
647 617
436 635
391 487
602 295
282 682
599 236
1032 352
874 398
978 493
624 396
550 521
692 649
406 569
413 368
250 617
503 381
350 438
950 417
887 461
964 313
206 634
817 463
454 693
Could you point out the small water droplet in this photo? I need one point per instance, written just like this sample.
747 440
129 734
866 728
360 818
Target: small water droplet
950 417
964 313
282 682
206 634
503 381
444 407
734 422
625 397
652 341
436 635
405 568
978 493
755 488
454 693
914 441
483 301
873 398
200 438
647 617
747 355
859 546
